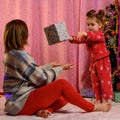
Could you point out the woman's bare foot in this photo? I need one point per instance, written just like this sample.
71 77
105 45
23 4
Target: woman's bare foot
43 113
104 107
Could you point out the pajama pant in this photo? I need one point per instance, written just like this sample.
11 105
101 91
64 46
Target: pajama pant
101 79
54 96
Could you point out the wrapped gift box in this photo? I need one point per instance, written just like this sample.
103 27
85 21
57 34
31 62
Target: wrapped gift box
87 92
56 33
116 96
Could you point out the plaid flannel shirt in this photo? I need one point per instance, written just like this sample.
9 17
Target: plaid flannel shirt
21 76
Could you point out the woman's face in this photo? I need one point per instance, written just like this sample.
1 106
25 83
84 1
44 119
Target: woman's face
92 25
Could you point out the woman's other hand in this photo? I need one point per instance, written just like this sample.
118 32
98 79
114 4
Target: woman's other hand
67 66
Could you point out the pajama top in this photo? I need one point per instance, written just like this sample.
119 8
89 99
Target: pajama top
95 43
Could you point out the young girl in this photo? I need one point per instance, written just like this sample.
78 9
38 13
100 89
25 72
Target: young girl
32 89
100 67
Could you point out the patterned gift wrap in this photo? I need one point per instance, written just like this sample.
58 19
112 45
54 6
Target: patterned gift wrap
87 92
56 33
116 96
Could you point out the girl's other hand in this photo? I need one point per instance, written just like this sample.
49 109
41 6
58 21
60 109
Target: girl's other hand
80 34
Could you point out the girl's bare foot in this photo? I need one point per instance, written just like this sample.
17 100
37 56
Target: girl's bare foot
104 107
43 113
104 100
97 101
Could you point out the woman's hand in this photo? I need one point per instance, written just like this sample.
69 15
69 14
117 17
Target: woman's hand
55 64
67 66
64 66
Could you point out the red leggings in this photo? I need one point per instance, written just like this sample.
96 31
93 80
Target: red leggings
54 96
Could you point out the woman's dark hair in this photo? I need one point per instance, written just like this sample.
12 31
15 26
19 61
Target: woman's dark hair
15 35
98 15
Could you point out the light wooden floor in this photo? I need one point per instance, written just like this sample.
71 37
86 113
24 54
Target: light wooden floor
69 112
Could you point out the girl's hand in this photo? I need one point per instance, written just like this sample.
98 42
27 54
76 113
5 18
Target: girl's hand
70 39
67 66
80 34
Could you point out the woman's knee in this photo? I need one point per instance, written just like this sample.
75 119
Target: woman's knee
62 81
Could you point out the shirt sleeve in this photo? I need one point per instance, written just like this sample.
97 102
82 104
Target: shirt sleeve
95 36
47 66
52 73
39 75
27 70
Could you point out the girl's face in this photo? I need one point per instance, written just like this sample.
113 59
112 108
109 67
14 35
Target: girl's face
93 25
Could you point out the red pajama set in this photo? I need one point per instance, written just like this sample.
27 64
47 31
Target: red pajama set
100 67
